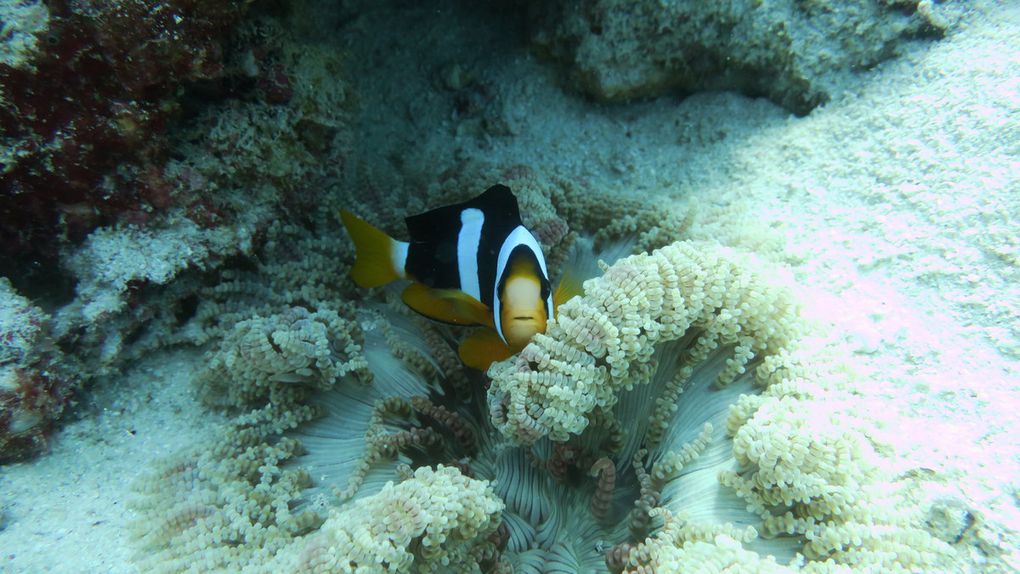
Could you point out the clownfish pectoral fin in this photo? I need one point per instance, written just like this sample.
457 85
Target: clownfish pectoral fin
570 286
379 259
447 305
483 348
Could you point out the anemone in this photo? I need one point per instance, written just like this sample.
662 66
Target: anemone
667 420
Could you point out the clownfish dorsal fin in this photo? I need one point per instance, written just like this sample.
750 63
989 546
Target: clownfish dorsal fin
379 258
569 286
483 348
446 305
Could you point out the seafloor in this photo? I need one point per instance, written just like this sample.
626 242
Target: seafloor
892 211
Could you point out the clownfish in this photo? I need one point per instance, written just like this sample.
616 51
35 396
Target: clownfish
471 263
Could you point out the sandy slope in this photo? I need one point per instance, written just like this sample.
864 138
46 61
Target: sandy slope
896 206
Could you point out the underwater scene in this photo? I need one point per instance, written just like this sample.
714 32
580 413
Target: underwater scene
509 286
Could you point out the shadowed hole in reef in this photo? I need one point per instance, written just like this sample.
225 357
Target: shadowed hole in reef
50 287
185 309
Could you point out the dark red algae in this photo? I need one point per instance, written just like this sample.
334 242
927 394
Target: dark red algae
85 119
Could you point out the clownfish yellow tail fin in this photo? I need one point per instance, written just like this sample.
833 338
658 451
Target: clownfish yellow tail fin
380 258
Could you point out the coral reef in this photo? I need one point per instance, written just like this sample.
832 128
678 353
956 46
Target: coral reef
131 279
234 167
672 418
37 379
791 51
22 24
70 164
179 157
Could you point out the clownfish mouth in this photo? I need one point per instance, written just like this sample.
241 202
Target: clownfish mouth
528 318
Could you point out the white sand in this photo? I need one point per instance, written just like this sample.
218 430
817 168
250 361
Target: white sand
65 511
897 207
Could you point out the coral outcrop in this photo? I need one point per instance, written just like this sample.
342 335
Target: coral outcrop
69 164
37 380
791 51
198 130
